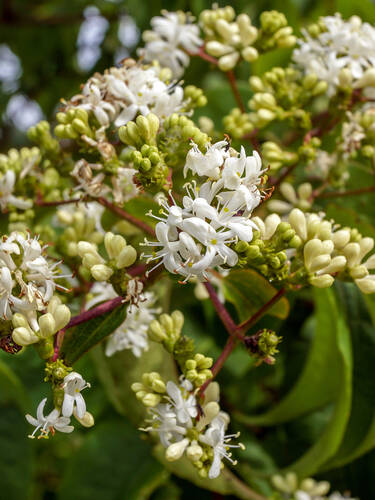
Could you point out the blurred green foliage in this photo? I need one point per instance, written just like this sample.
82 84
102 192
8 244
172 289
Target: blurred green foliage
111 460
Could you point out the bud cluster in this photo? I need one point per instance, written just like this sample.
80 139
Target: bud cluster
182 428
120 255
237 124
229 38
283 94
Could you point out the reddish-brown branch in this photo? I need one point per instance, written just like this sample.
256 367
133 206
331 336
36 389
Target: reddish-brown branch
41 203
244 326
125 215
222 312
203 55
219 363
351 192
233 83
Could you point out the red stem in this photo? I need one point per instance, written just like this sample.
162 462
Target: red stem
243 327
352 192
42 203
233 83
223 314
125 215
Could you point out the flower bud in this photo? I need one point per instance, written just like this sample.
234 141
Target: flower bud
113 244
101 272
352 252
312 249
336 265
297 220
218 49
156 332
151 400
176 450
366 80
345 77
228 62
366 245
271 223
341 238
323 281
178 320
359 272
24 336
62 316
194 452
288 191
250 54
256 84
127 257
366 285
319 262
47 325
18 320
87 420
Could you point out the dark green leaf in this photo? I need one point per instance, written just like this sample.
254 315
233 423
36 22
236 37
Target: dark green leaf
113 463
85 336
249 291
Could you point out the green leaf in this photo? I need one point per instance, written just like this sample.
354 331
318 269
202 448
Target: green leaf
226 484
329 442
118 373
319 378
248 291
360 433
112 463
86 335
15 447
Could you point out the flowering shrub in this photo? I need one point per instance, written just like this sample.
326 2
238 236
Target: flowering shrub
135 225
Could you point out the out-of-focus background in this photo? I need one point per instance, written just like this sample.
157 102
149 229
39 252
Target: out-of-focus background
47 49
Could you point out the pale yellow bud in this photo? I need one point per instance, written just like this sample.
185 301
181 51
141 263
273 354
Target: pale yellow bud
127 257
256 84
101 272
288 191
64 217
24 336
352 252
62 316
228 62
370 263
18 320
200 292
341 238
366 285
366 245
271 222
266 115
359 272
345 77
87 420
225 29
304 190
113 244
47 325
156 332
323 281
367 79
336 265
250 54
194 452
176 450
218 49
151 400
319 262
312 249
178 319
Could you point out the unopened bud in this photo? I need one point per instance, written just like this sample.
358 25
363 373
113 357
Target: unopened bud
101 272
87 420
323 281
47 325
127 257
176 450
24 336
297 220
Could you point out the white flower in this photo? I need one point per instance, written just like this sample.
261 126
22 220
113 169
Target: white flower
53 421
184 404
132 333
101 291
7 199
344 44
24 266
73 385
169 36
124 187
198 236
120 94
86 181
207 164
165 424
216 438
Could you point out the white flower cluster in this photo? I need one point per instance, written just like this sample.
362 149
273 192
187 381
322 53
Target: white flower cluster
198 235
173 35
306 489
120 94
132 333
7 198
181 431
343 52
27 277
73 404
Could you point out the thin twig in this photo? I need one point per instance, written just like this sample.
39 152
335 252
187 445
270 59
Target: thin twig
351 192
125 215
245 325
222 312
233 83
